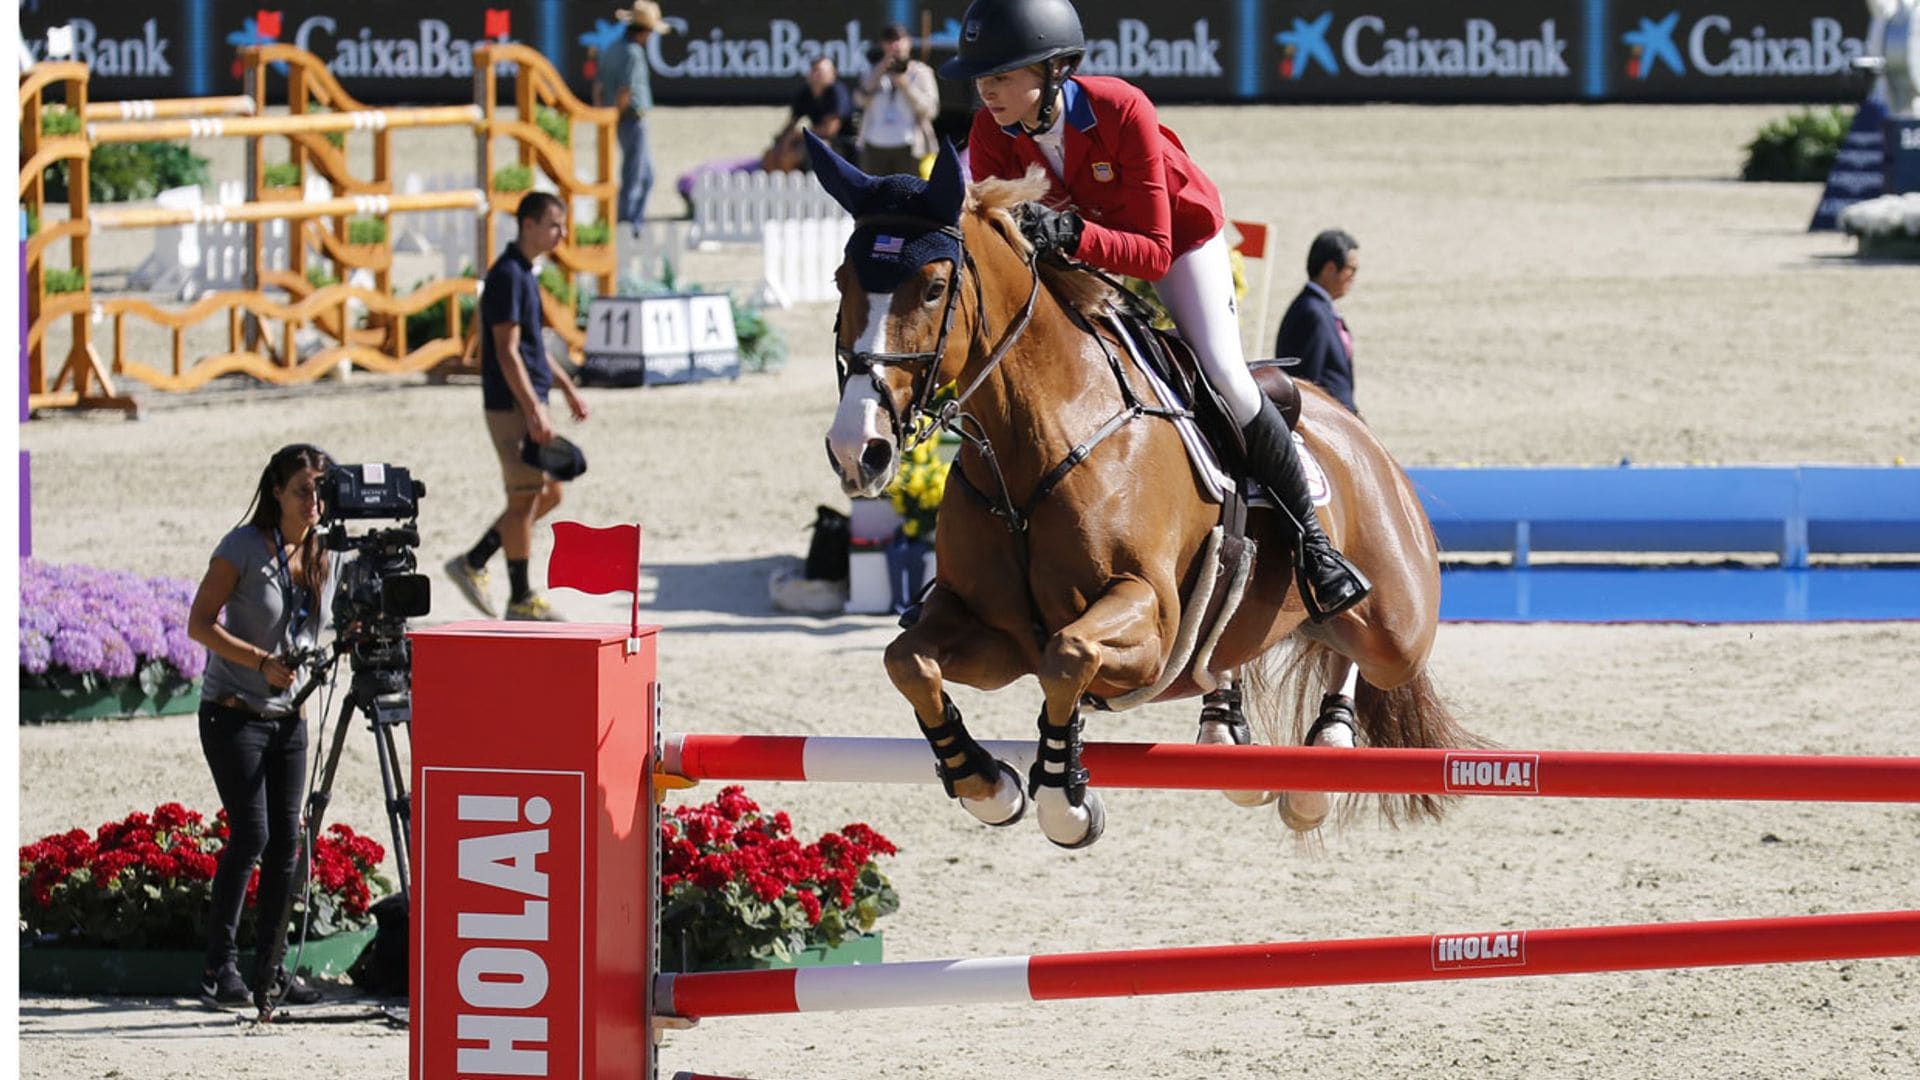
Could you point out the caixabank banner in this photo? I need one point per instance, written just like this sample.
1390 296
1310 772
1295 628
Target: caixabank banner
1736 50
758 51
734 52
381 52
1412 51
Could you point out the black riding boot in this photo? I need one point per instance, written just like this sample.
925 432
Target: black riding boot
1329 584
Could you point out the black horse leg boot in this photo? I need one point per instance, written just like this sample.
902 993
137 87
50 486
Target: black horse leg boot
1329 584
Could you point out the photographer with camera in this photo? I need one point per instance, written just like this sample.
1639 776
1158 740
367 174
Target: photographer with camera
900 97
269 575
515 377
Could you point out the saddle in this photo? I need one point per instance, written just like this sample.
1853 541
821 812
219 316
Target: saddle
1214 444
1172 362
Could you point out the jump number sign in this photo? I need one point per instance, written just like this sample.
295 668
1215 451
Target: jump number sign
640 326
659 339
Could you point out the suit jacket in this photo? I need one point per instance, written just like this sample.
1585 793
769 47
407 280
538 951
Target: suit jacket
1142 198
1310 330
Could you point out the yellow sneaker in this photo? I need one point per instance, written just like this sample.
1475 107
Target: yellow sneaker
533 608
473 584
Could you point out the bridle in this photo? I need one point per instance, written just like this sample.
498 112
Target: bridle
909 430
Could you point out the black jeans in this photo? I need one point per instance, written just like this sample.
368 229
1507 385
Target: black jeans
259 766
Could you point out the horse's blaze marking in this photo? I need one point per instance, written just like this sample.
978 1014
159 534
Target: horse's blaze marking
1455 951
1509 774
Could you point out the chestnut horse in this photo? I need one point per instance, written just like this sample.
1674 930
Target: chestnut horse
1074 526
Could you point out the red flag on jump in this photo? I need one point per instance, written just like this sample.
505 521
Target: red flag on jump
596 561
1253 240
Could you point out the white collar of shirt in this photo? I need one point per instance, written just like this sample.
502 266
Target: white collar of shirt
1053 143
1324 294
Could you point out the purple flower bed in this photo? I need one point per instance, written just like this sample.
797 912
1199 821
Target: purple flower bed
82 627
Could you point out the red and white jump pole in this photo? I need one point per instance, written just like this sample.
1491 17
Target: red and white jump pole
1139 972
1559 774
536 770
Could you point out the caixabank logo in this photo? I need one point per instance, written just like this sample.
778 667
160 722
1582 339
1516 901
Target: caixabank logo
1320 52
1738 43
366 47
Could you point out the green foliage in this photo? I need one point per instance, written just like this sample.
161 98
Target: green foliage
366 230
1798 148
430 322
65 281
337 138
555 124
513 179
59 120
282 174
125 171
593 234
320 275
556 283
762 346
33 223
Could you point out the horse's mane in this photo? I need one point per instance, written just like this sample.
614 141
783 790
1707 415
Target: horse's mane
994 199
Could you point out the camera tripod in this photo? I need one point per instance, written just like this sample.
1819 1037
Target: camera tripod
385 697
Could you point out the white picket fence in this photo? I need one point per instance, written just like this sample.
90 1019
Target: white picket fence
733 208
799 258
190 261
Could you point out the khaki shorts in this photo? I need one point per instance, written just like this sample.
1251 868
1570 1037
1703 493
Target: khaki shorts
508 427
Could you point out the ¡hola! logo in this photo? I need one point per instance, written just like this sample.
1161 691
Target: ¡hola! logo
1451 952
500 885
1715 48
1493 773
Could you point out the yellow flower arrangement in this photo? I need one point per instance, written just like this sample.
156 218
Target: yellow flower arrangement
917 489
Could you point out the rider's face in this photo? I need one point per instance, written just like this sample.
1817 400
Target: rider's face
1011 96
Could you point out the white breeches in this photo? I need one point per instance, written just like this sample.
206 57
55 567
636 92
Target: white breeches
1198 292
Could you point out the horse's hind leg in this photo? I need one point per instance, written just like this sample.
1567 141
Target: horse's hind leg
949 643
1304 811
1222 723
1117 640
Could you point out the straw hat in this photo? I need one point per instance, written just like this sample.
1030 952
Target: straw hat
644 14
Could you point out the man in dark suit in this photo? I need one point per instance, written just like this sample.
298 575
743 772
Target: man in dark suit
1312 330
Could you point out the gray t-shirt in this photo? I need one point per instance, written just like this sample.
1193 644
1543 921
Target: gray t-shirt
263 610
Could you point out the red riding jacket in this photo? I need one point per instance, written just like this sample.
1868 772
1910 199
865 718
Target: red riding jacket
1142 198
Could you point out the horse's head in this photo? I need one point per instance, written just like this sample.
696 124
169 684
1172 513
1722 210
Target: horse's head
898 297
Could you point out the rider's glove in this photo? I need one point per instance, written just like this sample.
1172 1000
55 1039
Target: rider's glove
1050 230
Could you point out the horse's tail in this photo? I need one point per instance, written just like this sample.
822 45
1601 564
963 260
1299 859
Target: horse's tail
1289 681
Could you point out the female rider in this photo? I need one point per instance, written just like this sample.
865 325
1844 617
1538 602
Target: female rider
1126 198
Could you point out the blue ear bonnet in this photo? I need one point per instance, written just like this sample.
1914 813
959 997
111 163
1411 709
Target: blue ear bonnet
899 219
884 255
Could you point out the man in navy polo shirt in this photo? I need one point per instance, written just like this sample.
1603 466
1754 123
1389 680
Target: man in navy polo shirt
514 379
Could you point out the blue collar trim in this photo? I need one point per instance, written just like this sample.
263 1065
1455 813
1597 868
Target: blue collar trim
1079 110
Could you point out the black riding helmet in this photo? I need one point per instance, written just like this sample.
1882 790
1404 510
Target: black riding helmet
1000 35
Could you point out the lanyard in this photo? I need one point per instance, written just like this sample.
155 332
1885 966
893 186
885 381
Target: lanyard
293 593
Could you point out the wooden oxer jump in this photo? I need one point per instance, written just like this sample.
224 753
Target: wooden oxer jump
308 293
168 108
216 127
373 205
1568 774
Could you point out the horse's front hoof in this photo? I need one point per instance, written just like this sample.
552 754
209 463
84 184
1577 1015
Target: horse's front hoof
1068 826
1008 803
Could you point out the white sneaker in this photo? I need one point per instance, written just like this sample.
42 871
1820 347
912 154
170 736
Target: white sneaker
473 584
